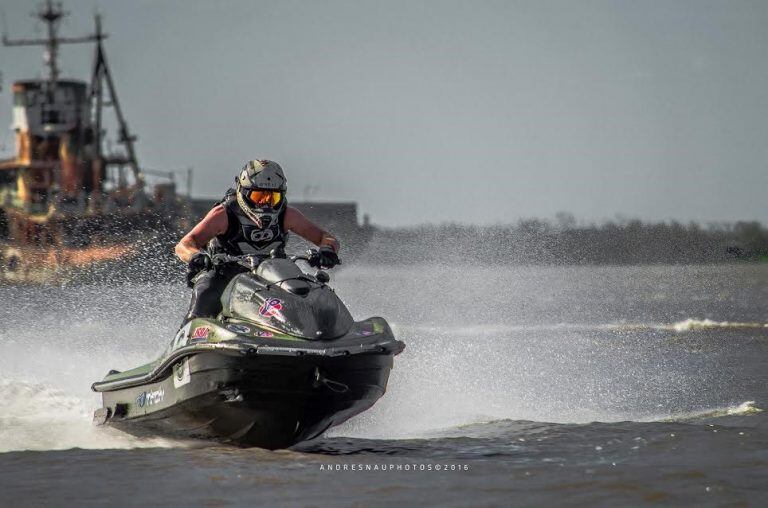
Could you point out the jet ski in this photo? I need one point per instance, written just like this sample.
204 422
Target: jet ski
283 362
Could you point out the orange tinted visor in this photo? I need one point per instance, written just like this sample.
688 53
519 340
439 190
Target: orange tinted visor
265 198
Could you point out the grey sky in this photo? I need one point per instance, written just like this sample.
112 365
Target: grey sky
445 111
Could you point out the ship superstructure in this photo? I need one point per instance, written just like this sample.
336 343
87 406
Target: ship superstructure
65 202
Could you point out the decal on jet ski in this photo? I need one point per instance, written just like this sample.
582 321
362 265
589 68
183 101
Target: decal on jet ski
271 307
265 333
238 328
150 398
181 337
181 373
200 333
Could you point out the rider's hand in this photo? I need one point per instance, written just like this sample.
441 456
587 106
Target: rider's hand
199 262
327 258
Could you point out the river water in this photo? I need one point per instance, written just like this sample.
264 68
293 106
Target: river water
519 385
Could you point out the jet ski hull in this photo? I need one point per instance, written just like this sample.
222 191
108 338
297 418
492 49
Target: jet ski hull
270 394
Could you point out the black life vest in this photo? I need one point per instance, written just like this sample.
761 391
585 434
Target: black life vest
243 236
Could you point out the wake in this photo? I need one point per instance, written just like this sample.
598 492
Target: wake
39 417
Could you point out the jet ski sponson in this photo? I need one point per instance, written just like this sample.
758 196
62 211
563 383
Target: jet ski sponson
282 363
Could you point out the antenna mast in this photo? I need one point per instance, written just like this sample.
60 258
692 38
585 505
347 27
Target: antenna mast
101 75
50 13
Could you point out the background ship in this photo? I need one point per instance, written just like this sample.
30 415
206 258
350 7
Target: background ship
66 204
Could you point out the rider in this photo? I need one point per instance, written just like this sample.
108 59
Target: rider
253 218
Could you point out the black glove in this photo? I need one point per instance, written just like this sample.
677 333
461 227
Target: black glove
327 258
199 262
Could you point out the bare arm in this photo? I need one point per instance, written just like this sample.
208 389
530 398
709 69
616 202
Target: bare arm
295 221
213 224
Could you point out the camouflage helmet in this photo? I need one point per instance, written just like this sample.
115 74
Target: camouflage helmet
260 191
262 174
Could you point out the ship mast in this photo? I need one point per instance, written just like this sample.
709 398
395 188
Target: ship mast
51 13
101 74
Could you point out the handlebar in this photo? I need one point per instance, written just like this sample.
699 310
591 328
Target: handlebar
312 257
251 261
248 261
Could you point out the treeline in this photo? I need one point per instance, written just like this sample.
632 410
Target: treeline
535 241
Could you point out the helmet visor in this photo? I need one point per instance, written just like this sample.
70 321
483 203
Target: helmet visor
265 198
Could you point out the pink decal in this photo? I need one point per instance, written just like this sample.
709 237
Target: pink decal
201 332
271 307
